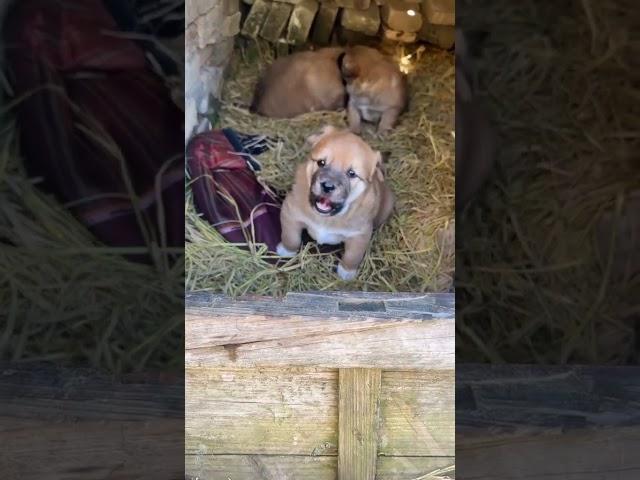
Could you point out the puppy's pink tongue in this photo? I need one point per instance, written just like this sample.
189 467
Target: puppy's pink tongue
324 204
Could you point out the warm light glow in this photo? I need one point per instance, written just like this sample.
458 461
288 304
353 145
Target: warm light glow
405 64
411 13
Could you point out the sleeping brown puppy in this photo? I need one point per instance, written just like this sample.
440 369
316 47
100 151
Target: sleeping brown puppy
338 195
299 83
377 89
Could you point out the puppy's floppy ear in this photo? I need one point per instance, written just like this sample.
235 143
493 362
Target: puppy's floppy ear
348 66
312 140
378 168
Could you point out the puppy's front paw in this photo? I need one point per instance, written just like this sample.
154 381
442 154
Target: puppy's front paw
282 251
346 275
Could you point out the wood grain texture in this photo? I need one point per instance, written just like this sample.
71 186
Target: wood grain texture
412 468
548 421
585 454
417 413
512 398
358 405
326 330
268 411
294 411
261 467
78 424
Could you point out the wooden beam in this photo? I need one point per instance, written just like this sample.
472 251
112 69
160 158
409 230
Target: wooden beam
79 423
262 467
265 411
573 422
417 414
358 401
407 331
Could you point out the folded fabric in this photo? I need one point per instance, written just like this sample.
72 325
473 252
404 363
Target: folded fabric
226 191
95 123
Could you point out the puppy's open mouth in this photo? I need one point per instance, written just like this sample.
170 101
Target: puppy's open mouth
326 207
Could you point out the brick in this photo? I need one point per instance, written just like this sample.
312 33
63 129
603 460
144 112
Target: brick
398 36
363 21
231 25
325 20
282 48
202 7
401 16
256 17
300 22
357 4
276 21
344 36
231 6
442 36
439 12
191 11
208 27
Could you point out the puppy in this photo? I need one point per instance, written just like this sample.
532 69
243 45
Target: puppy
338 195
378 90
299 83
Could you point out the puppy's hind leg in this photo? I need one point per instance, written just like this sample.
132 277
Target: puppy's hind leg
386 207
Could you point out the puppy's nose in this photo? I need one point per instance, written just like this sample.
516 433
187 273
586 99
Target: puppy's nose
327 187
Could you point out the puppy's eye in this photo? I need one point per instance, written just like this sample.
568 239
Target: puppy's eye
351 173
321 163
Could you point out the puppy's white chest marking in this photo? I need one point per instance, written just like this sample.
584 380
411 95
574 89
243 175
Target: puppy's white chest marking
328 236
369 114
368 111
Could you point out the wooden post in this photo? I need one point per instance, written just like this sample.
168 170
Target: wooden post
358 400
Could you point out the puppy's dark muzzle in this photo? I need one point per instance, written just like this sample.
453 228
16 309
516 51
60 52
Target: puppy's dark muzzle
328 191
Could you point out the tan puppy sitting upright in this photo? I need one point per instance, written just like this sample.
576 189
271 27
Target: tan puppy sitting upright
299 83
338 195
377 89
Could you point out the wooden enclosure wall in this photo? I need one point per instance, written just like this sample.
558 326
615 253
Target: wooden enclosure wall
319 386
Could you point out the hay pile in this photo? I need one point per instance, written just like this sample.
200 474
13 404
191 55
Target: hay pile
68 299
405 255
531 286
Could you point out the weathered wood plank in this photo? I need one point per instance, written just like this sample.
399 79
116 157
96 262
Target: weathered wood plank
417 413
77 450
510 398
295 411
253 467
414 468
78 424
424 345
358 400
586 454
549 421
330 304
290 411
320 330
51 392
276 467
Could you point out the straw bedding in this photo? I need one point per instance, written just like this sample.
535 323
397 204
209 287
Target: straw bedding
66 298
411 253
558 80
